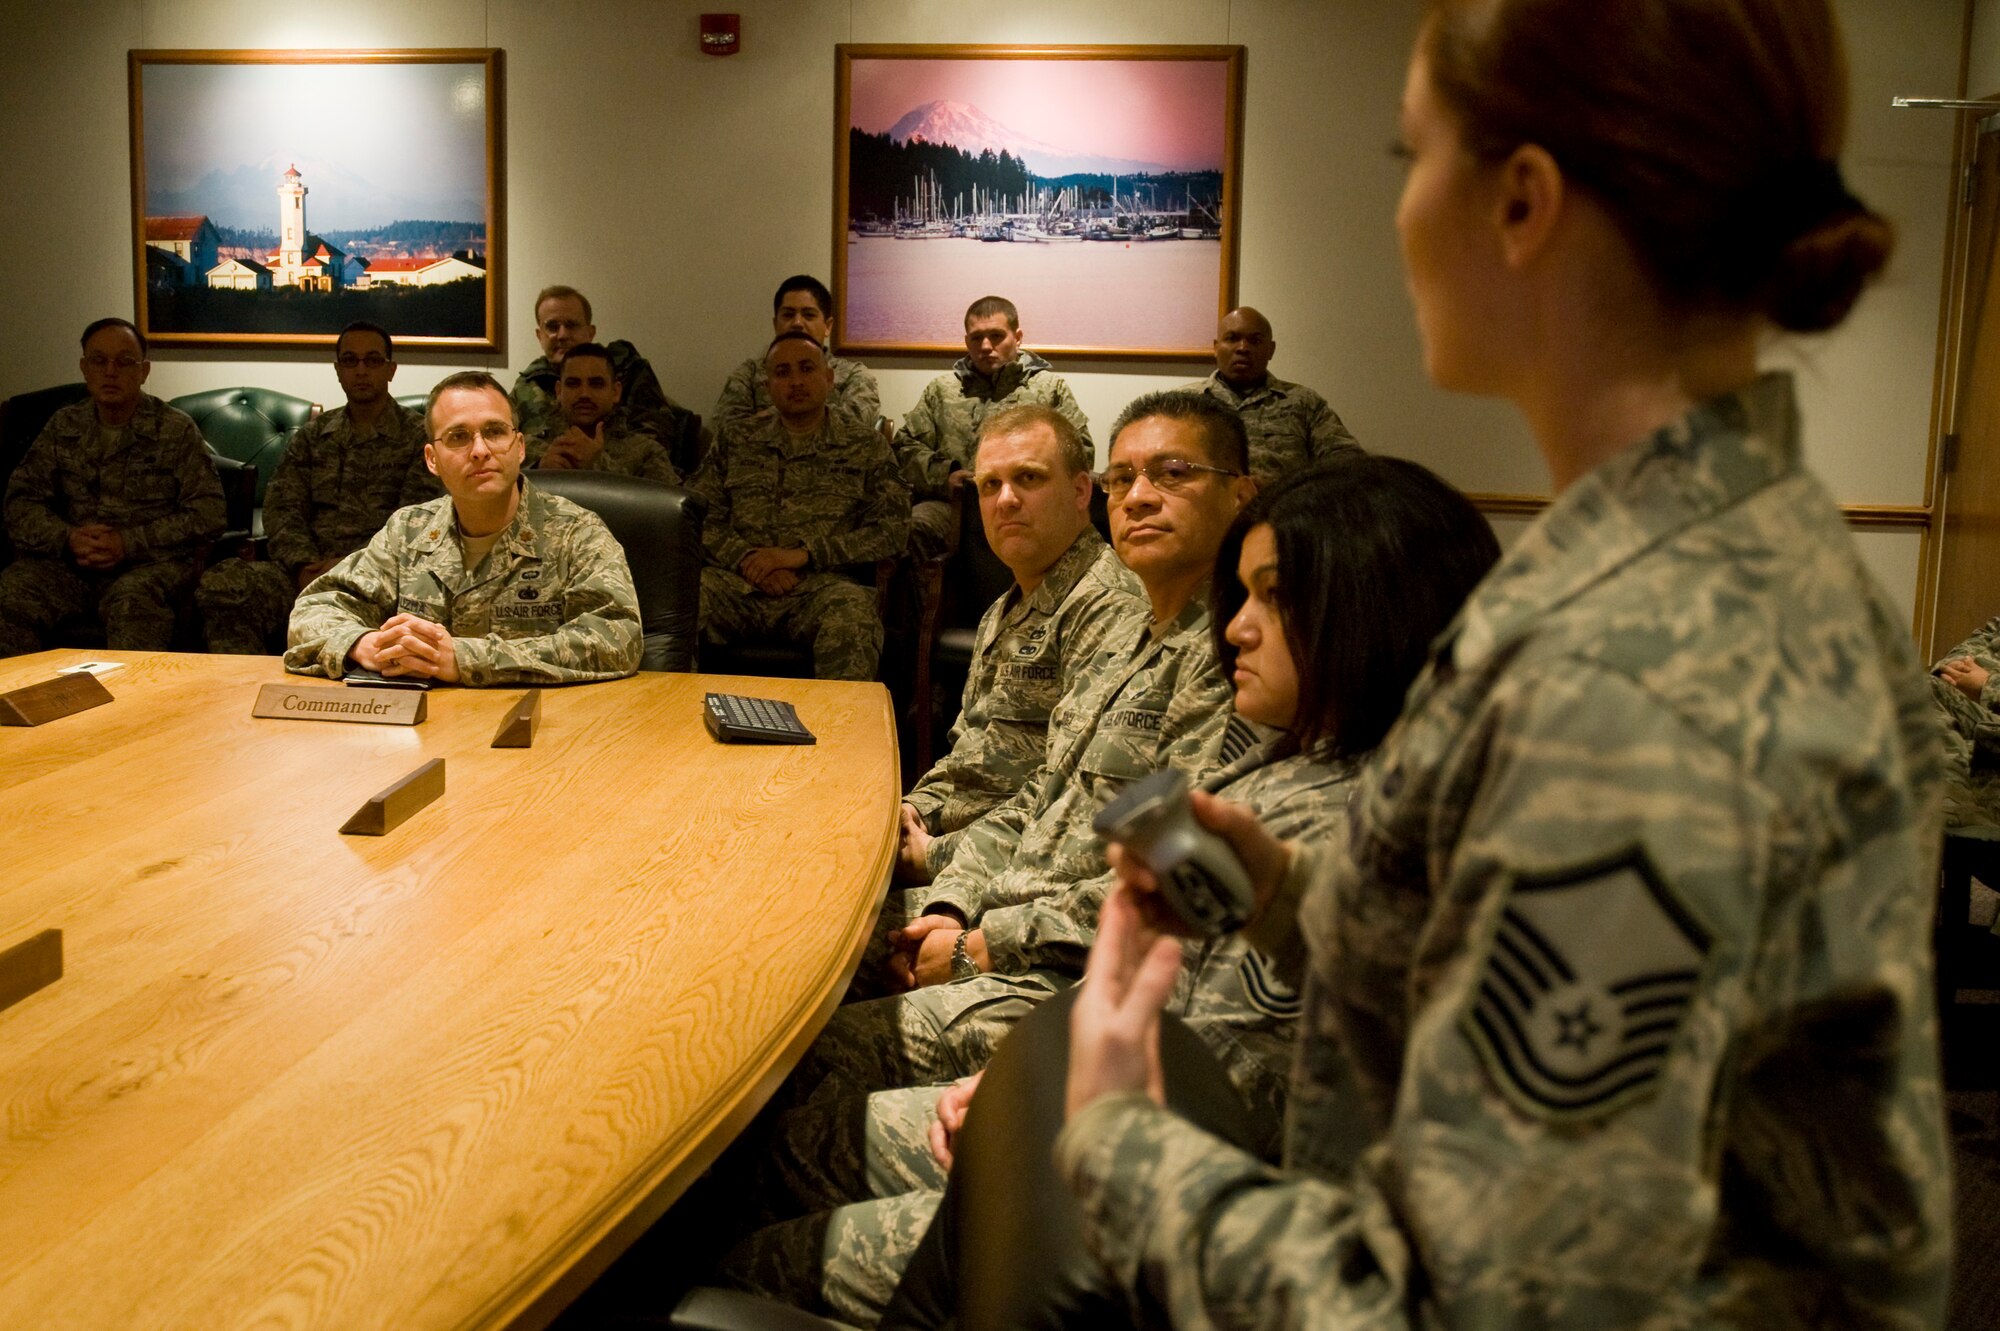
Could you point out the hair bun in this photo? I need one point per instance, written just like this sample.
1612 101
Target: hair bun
1818 276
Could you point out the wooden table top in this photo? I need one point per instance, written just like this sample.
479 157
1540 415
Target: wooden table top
437 1078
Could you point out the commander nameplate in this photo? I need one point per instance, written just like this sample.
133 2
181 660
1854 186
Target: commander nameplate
318 702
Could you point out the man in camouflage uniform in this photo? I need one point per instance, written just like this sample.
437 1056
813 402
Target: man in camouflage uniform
496 583
1032 472
802 305
562 321
1966 689
793 499
588 437
1618 998
1009 920
109 508
934 442
1289 424
861 1176
342 474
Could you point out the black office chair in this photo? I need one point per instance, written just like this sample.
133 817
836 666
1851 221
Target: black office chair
22 417
660 527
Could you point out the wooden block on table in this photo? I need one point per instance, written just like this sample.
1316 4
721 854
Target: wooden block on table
318 702
52 698
26 967
384 812
517 728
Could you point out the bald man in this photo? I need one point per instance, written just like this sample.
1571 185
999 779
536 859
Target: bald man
1289 424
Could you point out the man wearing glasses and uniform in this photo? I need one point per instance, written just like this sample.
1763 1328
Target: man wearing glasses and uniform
108 509
343 473
496 583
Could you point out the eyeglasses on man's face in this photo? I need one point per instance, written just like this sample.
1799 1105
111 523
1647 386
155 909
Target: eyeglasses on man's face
495 433
1167 475
100 363
347 360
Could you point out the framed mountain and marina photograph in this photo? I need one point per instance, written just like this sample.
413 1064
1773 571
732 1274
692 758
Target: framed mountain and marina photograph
267 211
1094 186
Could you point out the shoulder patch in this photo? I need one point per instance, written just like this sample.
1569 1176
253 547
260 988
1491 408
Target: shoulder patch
1590 975
1264 991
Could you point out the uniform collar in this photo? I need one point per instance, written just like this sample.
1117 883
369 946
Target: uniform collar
518 538
1272 386
1066 572
1025 366
1721 453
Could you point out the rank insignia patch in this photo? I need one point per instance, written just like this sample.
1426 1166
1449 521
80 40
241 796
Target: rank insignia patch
1590 977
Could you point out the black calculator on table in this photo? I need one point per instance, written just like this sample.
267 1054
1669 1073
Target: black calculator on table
735 719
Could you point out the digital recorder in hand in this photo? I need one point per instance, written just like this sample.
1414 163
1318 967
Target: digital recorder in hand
1202 880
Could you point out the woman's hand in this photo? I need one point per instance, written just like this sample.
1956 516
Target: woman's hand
1114 1029
1265 859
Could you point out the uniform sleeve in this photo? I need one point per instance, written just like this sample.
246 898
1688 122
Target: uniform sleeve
200 515
857 397
979 850
600 637
926 470
653 463
1065 402
1621 922
287 518
644 401
963 745
349 600
880 529
1326 435
420 483
33 522
718 533
738 403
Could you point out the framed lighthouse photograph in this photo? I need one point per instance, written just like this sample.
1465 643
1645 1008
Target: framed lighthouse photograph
263 213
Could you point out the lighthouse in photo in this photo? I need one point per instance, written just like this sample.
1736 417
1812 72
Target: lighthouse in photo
291 223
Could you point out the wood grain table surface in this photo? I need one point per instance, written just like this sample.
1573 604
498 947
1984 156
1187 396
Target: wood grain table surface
437 1078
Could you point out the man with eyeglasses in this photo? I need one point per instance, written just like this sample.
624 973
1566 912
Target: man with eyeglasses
563 321
1009 920
589 437
794 500
109 509
496 583
342 474
934 442
1289 425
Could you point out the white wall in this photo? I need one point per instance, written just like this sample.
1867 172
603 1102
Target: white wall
675 187
1983 73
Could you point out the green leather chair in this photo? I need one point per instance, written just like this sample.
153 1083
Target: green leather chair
250 425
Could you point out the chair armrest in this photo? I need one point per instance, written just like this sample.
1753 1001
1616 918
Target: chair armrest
709 1309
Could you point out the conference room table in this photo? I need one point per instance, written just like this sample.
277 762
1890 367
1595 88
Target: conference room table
435 1078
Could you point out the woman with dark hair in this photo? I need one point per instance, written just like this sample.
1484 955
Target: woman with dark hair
1321 622
1618 1008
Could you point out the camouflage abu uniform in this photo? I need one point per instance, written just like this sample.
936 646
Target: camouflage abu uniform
868 1172
1289 425
747 395
151 481
643 406
938 435
1972 734
1026 654
622 454
1030 873
552 602
1619 1005
835 494
335 486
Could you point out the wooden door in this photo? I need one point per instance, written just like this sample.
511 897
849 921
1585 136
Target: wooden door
1967 554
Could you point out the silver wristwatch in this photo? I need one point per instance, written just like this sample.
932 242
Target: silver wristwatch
963 967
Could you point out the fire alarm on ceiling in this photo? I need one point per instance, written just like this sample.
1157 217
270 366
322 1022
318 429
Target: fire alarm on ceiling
721 34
